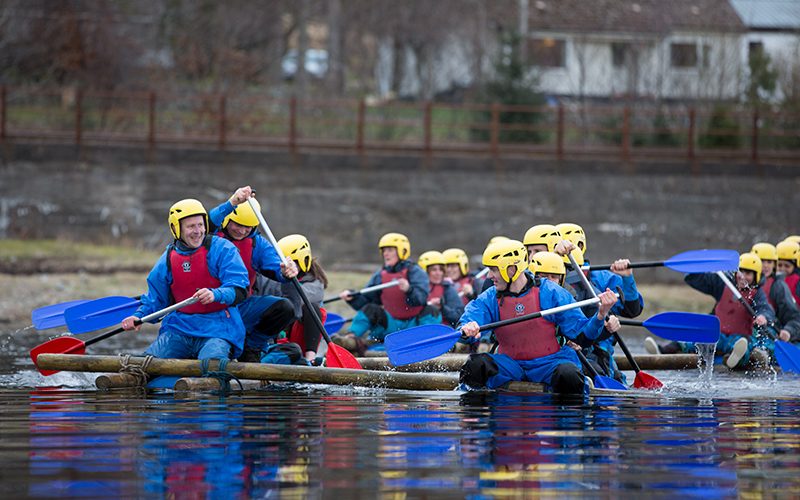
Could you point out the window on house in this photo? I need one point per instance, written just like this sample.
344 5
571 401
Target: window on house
619 53
547 52
755 49
683 55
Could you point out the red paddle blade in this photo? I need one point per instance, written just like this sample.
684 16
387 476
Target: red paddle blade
339 357
60 345
646 381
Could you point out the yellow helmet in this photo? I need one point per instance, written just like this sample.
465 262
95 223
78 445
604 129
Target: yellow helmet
397 240
751 262
578 254
243 215
495 239
794 238
430 258
504 254
765 251
542 234
181 210
788 250
457 256
568 229
297 248
547 262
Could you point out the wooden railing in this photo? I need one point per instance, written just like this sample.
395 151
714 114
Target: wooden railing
623 132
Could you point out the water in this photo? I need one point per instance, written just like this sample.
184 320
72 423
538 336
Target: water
734 437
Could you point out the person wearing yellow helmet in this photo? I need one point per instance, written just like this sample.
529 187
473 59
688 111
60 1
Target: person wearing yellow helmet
392 308
740 333
443 297
548 265
456 267
264 316
527 350
541 238
574 233
788 260
778 294
202 266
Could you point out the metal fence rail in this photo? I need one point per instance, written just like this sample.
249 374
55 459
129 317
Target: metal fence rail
625 132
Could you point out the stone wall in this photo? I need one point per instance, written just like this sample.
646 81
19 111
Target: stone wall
344 203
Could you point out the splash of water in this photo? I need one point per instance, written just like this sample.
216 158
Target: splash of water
705 363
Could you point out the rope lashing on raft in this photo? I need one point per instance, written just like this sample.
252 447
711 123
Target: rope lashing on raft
220 374
139 371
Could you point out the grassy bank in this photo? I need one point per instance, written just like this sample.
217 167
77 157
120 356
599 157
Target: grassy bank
80 271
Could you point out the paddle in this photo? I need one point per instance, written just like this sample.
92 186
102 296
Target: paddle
52 316
428 341
693 261
642 380
368 289
599 380
337 356
100 313
334 322
71 345
787 355
681 326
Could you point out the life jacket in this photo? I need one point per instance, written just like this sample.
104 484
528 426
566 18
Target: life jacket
791 281
466 280
767 287
733 316
437 291
525 340
245 247
189 274
394 299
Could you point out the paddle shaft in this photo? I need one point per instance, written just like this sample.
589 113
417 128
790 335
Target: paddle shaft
149 317
616 335
539 314
632 265
736 293
585 362
295 281
373 288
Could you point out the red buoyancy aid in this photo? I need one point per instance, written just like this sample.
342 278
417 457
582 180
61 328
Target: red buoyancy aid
394 299
791 281
466 280
733 316
245 247
767 287
525 340
189 274
437 291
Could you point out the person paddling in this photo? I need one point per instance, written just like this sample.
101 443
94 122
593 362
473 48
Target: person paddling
788 261
740 333
264 316
197 265
390 309
528 350
778 294
456 267
443 297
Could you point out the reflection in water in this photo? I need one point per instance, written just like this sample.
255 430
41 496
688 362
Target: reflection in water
303 442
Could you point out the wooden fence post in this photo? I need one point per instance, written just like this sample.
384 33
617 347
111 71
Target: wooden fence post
754 140
495 129
151 120
690 138
427 126
78 117
293 125
222 131
560 133
626 133
2 112
362 111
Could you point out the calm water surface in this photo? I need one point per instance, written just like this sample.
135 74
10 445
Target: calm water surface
732 438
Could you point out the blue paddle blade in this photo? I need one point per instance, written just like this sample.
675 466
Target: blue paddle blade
788 356
608 383
334 323
52 316
704 261
163 382
419 343
100 313
685 327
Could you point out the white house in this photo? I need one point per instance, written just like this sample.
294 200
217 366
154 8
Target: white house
668 49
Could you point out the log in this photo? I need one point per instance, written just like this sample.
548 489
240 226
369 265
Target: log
117 381
453 362
258 371
211 384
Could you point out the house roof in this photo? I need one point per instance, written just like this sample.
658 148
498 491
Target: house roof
769 14
633 16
